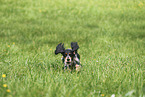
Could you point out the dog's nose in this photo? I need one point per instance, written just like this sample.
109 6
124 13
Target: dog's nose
68 59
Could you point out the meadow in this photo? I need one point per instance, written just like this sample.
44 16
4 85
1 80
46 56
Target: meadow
111 36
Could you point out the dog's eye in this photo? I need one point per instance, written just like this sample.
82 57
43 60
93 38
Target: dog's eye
69 53
65 55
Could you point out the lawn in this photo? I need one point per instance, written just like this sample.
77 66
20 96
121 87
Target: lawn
111 36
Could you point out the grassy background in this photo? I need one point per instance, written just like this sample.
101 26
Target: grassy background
111 36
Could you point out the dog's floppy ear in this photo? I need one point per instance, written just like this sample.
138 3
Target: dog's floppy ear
74 46
60 49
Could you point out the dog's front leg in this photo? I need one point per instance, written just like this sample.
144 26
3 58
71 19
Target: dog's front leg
65 67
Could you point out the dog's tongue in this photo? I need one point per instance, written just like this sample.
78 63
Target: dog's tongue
68 62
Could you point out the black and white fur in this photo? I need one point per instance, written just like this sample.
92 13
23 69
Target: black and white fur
70 58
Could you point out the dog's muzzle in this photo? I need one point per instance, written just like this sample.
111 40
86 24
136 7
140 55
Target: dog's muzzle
68 60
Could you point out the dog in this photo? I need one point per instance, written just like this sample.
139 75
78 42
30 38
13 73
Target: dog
70 57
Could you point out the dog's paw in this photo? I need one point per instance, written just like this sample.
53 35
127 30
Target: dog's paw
78 67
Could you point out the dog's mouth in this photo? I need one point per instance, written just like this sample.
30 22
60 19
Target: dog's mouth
68 62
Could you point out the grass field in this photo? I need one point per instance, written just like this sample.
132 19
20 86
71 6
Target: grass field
111 36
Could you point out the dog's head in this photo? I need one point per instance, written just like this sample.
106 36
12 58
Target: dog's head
68 54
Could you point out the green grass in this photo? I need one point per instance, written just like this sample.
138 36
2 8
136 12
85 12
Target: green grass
111 36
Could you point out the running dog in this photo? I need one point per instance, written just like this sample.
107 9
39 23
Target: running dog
70 57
